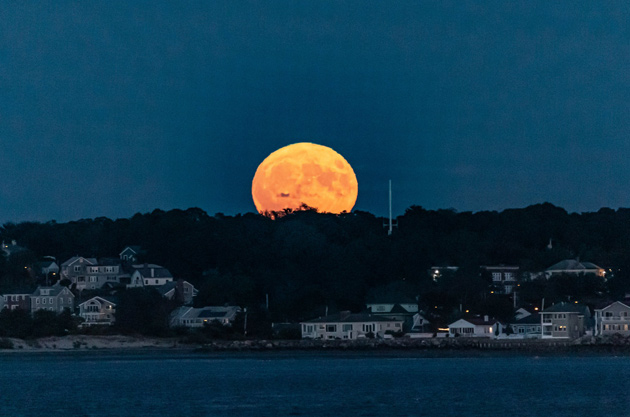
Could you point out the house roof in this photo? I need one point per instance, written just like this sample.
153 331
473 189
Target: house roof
206 312
572 265
44 264
566 308
158 271
606 305
109 262
346 317
91 261
479 321
533 318
100 299
133 248
54 291
164 289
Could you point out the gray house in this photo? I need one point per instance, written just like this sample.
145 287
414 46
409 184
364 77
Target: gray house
198 317
564 321
75 270
55 298
180 291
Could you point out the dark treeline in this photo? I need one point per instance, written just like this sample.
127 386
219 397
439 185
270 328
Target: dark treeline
306 262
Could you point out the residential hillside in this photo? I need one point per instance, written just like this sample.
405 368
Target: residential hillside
303 264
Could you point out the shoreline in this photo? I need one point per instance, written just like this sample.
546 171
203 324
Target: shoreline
402 346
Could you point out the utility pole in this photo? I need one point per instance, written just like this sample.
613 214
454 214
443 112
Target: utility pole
245 323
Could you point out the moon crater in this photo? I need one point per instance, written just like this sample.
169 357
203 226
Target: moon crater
304 173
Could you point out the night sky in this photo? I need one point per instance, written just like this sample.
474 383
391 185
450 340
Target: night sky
112 108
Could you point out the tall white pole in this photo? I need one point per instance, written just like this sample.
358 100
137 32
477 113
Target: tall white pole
389 231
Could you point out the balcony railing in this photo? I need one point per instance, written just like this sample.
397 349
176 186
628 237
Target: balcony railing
616 319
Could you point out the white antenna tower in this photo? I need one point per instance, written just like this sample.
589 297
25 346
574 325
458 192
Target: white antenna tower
391 224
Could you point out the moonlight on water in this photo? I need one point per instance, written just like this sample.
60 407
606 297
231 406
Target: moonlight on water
305 173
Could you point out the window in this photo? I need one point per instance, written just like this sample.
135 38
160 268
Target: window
331 328
509 276
93 279
346 327
43 301
77 268
37 301
156 281
109 269
496 276
94 269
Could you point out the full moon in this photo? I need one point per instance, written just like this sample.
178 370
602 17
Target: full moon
305 173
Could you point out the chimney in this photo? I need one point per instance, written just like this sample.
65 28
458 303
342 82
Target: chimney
152 272
486 318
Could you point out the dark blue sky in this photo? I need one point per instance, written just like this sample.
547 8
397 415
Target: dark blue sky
112 108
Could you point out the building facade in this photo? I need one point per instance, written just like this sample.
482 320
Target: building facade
97 311
504 278
611 319
564 321
55 299
350 326
149 275
475 327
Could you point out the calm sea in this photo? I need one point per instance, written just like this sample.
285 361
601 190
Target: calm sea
104 384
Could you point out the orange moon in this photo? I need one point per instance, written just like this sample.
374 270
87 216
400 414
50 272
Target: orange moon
305 173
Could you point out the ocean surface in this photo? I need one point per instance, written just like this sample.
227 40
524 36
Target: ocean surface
311 384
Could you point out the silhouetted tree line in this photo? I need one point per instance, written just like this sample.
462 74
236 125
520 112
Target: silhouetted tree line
305 262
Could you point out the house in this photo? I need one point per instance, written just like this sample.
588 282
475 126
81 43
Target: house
17 301
395 309
97 311
130 254
75 270
526 326
437 272
420 324
564 321
504 277
12 248
198 317
105 271
47 268
55 298
149 275
612 318
574 267
180 291
350 326
475 327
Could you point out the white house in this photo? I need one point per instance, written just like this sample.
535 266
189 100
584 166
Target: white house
97 311
350 326
613 318
475 327
574 267
149 275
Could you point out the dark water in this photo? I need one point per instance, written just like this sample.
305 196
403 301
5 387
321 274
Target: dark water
97 384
